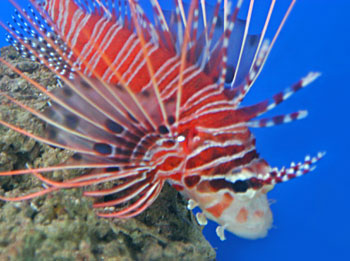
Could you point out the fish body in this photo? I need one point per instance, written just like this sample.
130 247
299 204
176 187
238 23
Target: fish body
147 103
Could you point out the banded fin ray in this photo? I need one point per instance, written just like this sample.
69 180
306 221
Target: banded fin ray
69 121
216 18
98 57
227 116
92 85
72 60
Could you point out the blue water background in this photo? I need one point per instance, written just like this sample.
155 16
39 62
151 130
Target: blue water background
312 213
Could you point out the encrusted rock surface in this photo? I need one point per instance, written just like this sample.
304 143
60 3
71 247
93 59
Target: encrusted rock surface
62 225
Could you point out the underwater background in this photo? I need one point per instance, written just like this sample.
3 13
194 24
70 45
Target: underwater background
312 213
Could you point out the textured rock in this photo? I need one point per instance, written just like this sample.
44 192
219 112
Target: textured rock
62 225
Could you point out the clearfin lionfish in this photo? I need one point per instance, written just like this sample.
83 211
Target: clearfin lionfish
145 100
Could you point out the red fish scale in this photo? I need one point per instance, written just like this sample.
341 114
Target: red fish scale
225 168
211 154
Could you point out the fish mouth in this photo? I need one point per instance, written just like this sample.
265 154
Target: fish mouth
248 219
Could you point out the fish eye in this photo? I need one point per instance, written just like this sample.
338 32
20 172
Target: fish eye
240 186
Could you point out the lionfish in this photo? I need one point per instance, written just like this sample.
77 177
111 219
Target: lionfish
147 100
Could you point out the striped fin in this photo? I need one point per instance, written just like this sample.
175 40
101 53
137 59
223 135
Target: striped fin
53 44
261 54
143 197
225 115
84 160
68 118
284 174
243 45
104 133
277 120
131 66
127 78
